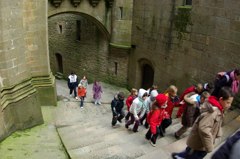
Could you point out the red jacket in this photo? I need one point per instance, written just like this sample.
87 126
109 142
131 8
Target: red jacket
182 107
129 101
155 118
81 91
170 105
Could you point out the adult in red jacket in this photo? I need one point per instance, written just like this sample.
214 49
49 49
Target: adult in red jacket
155 118
197 89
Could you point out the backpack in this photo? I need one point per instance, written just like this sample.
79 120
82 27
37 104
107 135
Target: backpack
219 76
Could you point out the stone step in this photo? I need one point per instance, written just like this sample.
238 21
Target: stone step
180 145
137 139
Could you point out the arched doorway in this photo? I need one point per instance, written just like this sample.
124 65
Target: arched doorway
147 76
59 62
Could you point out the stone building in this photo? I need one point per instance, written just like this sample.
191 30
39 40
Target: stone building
147 42
134 43
26 81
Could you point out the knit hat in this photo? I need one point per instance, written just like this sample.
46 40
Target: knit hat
154 93
161 99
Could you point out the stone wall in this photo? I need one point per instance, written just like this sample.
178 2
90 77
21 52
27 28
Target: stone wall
24 65
211 45
88 56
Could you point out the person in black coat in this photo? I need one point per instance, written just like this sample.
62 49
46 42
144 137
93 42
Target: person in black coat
117 105
227 79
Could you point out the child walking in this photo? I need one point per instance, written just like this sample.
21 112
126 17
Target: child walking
155 118
81 94
137 108
97 92
193 102
117 105
148 104
207 126
130 98
173 101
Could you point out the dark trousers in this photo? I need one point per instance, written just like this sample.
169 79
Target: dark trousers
73 89
131 121
118 117
142 119
166 123
81 102
152 137
127 116
189 153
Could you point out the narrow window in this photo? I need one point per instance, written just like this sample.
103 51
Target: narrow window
121 12
116 67
78 30
60 29
188 2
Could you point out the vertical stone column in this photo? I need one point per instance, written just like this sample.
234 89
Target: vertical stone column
25 77
36 50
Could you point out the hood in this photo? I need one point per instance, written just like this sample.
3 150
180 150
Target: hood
141 92
214 102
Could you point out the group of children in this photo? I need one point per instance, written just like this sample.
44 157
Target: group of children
80 89
200 107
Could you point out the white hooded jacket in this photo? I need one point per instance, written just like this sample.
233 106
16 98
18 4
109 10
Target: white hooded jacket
138 105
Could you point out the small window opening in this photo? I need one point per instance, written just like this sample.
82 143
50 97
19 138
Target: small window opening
121 12
60 29
78 30
116 67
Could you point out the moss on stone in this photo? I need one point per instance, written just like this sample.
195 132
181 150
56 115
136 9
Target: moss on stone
182 20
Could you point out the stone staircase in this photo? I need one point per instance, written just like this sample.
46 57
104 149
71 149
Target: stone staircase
59 75
89 134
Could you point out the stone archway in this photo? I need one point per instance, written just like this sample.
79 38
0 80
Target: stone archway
146 73
147 76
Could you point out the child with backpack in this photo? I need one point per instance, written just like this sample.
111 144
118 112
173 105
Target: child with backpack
193 102
207 126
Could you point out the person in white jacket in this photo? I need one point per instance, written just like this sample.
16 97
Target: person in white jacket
148 103
137 110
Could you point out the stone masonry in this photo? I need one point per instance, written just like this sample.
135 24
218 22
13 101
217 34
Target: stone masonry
211 44
26 82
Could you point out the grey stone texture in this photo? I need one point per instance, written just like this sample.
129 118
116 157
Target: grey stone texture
95 55
24 59
211 46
